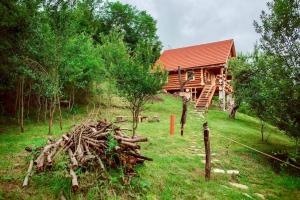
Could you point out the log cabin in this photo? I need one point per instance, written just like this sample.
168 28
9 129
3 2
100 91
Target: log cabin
205 66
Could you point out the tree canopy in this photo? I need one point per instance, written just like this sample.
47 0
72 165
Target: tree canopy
268 80
54 50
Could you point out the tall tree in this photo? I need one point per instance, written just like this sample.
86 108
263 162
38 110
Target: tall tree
280 39
136 26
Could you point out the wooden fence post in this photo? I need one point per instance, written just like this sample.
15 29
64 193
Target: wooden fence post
207 151
172 123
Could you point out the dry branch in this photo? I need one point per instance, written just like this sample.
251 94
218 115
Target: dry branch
26 180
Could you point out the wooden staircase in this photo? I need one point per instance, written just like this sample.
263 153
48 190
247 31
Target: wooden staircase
205 98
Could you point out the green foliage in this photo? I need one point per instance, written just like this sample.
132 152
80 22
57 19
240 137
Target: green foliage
280 39
250 75
81 66
112 143
279 29
137 80
136 26
267 81
66 50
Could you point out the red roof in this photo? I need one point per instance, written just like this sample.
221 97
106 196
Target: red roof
215 53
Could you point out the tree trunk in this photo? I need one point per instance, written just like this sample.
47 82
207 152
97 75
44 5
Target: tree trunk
183 115
233 111
51 113
184 102
46 109
262 125
73 97
22 106
17 98
135 120
39 107
28 100
297 144
60 115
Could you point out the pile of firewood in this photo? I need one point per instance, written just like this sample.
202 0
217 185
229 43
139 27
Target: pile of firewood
99 144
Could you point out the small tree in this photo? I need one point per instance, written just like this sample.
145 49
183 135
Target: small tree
137 82
250 74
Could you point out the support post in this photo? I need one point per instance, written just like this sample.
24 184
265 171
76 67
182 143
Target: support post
222 91
207 151
202 77
172 123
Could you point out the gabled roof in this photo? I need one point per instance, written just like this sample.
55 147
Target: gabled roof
215 53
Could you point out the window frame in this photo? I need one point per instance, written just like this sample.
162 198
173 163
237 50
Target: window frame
187 75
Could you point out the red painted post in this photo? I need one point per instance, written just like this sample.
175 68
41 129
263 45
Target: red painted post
172 123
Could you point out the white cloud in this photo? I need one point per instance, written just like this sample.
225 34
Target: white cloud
190 22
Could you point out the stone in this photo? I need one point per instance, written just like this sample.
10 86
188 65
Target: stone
238 185
232 172
220 171
247 195
260 196
212 161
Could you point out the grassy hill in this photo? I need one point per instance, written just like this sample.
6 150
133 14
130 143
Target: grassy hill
177 171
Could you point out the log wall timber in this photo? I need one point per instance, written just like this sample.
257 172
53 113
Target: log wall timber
173 82
201 76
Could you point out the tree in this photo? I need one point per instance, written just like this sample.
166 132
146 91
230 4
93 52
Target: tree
250 74
136 26
52 50
137 81
82 66
280 39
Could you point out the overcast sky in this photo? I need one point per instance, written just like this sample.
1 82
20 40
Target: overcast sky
189 22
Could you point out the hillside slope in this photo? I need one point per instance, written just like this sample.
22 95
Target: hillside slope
177 171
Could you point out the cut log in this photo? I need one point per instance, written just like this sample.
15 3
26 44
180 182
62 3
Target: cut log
140 156
87 158
79 152
131 145
74 162
66 138
53 152
28 174
132 140
75 185
40 163
87 149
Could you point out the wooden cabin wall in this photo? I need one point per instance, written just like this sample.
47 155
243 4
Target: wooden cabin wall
173 81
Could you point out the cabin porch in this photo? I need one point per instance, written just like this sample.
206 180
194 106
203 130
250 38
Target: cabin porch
203 84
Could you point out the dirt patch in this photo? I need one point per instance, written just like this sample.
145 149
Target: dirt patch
198 172
7 187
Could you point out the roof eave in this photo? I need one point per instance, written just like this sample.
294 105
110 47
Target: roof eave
196 67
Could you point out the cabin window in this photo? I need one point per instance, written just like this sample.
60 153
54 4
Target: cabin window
190 75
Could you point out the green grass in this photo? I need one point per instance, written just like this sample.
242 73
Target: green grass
175 173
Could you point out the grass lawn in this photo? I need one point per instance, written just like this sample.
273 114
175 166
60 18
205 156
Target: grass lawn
176 172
